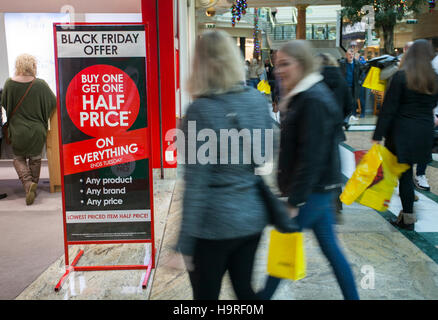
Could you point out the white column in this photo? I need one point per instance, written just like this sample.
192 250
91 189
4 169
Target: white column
187 38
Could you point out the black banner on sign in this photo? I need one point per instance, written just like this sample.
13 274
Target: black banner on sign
101 74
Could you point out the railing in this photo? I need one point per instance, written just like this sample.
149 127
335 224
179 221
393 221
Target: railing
282 32
279 32
273 31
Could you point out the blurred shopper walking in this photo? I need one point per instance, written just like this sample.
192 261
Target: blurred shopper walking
406 120
332 74
309 162
255 70
333 79
29 102
223 211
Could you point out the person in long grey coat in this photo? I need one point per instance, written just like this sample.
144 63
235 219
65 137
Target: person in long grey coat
223 212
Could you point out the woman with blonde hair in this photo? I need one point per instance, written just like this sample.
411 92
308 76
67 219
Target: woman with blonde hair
333 78
29 103
223 211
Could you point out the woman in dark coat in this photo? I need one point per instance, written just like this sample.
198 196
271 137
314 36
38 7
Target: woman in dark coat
406 120
309 164
333 78
335 81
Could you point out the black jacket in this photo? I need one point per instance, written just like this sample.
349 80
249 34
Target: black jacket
406 121
335 81
357 74
309 156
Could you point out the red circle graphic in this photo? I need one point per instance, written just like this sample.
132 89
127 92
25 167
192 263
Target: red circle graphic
102 100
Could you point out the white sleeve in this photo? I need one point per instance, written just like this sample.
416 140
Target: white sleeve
435 63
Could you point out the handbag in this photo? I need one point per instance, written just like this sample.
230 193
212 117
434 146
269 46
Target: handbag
5 127
383 61
5 133
286 256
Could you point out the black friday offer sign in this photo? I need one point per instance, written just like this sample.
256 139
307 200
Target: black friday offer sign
101 75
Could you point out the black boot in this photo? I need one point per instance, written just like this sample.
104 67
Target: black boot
3 195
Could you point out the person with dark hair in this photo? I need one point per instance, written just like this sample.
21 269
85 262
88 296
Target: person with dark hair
337 84
406 120
332 74
274 13
269 67
352 71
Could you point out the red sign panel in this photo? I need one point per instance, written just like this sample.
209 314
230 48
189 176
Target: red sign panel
105 136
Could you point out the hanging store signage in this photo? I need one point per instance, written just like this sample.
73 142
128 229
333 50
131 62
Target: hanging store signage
105 140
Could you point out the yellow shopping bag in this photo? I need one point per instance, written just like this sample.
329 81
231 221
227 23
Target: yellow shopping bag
286 256
360 187
363 176
264 87
372 80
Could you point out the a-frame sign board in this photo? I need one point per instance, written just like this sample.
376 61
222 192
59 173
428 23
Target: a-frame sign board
107 188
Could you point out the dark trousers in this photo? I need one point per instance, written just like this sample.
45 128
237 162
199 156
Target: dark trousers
213 257
273 91
362 98
406 188
406 182
421 169
253 82
355 105
317 214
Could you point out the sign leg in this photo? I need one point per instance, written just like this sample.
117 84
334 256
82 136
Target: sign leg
69 269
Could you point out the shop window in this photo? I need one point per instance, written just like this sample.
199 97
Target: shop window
32 33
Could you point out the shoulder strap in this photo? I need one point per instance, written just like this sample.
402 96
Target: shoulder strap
21 100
